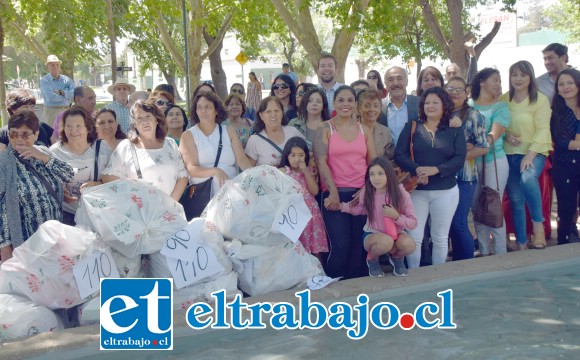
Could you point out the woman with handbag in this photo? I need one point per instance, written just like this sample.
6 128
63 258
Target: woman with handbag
343 153
212 153
147 154
434 153
31 183
270 134
473 124
486 88
78 146
565 128
527 145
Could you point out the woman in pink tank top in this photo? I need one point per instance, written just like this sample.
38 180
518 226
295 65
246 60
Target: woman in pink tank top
344 151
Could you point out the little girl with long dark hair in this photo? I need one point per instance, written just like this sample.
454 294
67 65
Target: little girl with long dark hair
295 158
389 213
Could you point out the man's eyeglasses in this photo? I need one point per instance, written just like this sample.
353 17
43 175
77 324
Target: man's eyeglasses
24 135
455 90
372 77
280 86
239 91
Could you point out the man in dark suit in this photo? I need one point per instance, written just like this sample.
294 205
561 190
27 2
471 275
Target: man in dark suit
398 107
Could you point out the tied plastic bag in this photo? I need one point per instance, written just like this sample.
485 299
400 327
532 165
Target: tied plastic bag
184 298
132 217
248 206
210 237
267 269
41 268
128 267
21 317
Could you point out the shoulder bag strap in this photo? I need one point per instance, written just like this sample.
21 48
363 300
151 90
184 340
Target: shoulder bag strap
136 161
271 143
217 158
41 178
413 128
96 170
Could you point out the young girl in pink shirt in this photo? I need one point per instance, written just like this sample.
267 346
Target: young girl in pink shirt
389 213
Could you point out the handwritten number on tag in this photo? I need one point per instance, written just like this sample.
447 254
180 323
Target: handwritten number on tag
201 257
98 269
290 217
180 237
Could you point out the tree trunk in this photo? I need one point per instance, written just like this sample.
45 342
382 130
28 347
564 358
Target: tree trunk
218 75
361 64
112 39
169 75
454 47
3 113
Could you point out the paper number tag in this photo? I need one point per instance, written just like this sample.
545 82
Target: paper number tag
318 282
202 265
182 244
294 219
88 271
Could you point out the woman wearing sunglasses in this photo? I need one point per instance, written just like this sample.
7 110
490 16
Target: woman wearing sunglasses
285 90
162 99
375 81
31 183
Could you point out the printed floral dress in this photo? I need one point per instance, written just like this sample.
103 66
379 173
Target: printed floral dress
313 237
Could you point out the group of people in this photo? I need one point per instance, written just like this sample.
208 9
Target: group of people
347 146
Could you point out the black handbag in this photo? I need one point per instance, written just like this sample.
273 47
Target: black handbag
489 209
197 196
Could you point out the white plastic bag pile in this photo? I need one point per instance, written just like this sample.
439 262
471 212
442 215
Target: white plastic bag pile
225 279
41 268
21 317
247 209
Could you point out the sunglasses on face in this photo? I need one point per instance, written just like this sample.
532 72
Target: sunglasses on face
161 102
280 86
455 90
239 91
372 77
24 136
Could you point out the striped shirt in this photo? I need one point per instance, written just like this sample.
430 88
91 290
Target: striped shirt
122 113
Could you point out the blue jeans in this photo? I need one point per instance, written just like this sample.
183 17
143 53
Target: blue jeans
523 188
347 255
461 237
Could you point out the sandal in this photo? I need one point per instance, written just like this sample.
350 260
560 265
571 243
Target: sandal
538 243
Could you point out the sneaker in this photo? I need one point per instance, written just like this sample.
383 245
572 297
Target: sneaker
375 268
399 268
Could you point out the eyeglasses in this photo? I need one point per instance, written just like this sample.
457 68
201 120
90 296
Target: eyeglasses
372 77
24 136
239 91
161 102
280 86
455 90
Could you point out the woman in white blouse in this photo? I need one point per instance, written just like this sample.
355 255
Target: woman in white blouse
270 134
158 157
199 144
78 148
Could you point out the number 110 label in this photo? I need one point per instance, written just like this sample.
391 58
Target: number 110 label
89 271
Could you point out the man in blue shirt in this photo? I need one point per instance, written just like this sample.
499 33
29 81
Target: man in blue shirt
292 74
327 77
57 90
398 106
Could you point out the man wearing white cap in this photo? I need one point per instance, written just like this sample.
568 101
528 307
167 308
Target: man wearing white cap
121 90
56 89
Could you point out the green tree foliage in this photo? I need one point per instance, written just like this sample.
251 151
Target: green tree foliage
564 17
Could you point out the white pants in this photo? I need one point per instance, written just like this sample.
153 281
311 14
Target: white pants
441 205
484 231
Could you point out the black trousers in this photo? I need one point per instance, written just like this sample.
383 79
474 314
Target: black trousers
566 181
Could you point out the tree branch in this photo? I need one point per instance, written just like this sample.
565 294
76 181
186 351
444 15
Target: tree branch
220 35
166 39
433 24
487 39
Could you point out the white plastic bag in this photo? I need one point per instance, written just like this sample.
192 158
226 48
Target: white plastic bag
90 312
132 217
268 269
247 206
41 268
183 298
21 317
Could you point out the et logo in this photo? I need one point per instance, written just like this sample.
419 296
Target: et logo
136 314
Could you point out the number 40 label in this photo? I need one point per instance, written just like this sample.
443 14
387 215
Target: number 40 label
294 219
89 271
